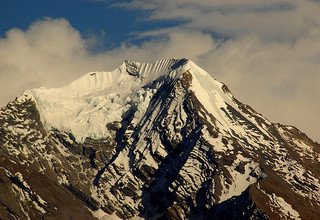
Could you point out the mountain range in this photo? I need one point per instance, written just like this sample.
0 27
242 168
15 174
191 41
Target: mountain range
160 140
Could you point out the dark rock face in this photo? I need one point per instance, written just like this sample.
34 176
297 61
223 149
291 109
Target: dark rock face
30 162
244 208
132 68
174 161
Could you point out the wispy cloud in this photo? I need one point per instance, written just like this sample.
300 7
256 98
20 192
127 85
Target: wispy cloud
270 19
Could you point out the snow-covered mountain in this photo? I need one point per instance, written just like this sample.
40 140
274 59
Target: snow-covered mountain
155 141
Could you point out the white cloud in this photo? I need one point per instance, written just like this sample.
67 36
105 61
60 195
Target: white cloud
49 53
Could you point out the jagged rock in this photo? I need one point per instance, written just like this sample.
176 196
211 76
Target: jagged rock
132 68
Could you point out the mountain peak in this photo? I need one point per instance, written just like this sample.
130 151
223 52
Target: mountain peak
156 141
107 95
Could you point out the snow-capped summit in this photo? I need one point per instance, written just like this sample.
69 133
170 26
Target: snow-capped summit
86 105
160 140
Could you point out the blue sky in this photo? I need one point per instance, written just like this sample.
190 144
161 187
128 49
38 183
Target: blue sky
114 24
267 52
86 16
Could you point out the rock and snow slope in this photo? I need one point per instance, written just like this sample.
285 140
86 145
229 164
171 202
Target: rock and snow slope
162 140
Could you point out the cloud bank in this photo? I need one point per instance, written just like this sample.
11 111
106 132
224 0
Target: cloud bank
281 19
268 55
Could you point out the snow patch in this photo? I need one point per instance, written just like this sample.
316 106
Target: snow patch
285 208
240 181
101 215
